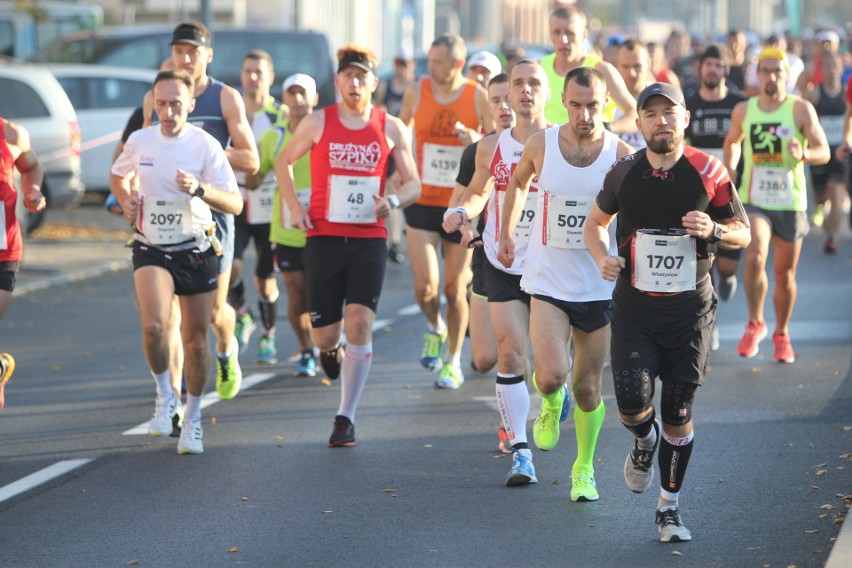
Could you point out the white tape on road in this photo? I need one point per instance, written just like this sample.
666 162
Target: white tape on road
41 477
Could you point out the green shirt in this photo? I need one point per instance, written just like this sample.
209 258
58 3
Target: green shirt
772 179
272 142
554 111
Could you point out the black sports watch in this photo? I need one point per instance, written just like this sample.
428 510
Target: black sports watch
716 236
199 192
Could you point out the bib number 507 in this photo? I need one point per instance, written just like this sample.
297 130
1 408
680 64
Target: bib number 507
573 221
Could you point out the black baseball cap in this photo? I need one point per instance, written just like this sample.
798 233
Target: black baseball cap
664 90
193 34
355 59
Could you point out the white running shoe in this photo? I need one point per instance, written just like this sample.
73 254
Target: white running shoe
168 414
670 526
190 438
639 465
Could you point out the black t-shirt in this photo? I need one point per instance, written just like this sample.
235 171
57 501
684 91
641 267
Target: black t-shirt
467 165
134 123
710 121
647 198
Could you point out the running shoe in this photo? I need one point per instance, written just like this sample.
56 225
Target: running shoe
307 366
583 487
331 361
430 357
343 434
546 427
229 376
395 254
727 287
783 348
670 526
503 446
7 367
818 216
243 330
522 472
830 246
639 465
755 332
714 337
450 377
266 352
168 414
190 438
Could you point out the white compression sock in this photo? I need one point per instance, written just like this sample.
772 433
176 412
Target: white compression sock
514 403
353 377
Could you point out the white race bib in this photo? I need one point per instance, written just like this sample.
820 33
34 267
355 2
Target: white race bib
441 164
564 218
663 263
3 244
351 199
833 128
165 220
523 230
771 187
304 197
259 203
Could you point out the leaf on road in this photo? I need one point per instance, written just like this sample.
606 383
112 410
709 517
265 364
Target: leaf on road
213 421
427 445
279 437
328 511
55 368
389 490
720 480
326 382
821 465
820 472
233 549
846 456
811 531
132 562
826 507
244 499
408 386
847 428
823 516
555 482
676 553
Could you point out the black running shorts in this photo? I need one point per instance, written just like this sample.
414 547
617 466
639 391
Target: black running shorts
341 270
8 275
289 259
427 218
586 316
193 272
243 233
502 286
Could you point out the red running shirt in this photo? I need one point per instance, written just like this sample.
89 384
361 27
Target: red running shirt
9 196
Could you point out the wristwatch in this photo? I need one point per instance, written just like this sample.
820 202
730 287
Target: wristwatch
716 236
199 192
394 201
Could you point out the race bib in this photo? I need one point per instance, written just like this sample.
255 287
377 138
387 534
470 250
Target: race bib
441 164
259 203
304 197
523 230
771 187
3 244
663 263
833 128
351 199
165 221
564 218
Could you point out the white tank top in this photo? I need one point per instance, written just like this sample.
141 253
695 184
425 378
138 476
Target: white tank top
507 154
558 264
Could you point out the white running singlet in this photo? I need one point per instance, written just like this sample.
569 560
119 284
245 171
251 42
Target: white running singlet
558 264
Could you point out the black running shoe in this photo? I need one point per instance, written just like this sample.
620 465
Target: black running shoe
343 434
331 360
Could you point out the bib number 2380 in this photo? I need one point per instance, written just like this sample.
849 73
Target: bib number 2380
351 199
663 263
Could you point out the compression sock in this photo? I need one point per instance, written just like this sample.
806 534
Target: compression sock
268 308
588 426
673 459
513 400
353 377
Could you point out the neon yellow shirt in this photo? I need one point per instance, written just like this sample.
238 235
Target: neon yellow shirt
554 111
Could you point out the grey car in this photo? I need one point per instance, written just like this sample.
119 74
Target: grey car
33 98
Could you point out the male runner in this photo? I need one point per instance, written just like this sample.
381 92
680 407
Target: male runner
710 119
634 65
262 111
779 132
829 183
445 112
16 152
569 35
345 254
300 96
671 201
175 248
570 300
482 66
219 111
496 157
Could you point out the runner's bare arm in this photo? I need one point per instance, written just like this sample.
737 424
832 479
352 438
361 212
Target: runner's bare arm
483 112
400 137
597 241
619 92
731 149
818 151
218 199
516 195
842 152
410 100
242 153
304 138
623 149
26 162
476 196
147 109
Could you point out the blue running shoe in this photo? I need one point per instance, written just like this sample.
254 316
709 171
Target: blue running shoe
522 472
307 366
266 352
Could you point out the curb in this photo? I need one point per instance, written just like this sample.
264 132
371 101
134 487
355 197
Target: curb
77 276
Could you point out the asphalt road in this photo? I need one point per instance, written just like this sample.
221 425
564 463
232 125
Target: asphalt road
424 485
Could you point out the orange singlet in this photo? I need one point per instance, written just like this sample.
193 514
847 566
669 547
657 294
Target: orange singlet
438 147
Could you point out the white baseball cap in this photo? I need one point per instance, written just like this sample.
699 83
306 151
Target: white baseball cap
486 59
305 81
827 35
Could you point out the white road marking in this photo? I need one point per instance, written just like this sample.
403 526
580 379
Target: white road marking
40 477
414 309
208 399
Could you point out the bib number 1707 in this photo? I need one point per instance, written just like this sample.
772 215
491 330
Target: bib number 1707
663 261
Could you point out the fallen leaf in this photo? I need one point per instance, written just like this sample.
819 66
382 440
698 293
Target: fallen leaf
810 444
811 531
55 368
846 456
326 382
233 549
555 482
720 480
814 487
821 465
278 446
847 428
132 562
244 499
389 490
826 507
213 421
328 511
676 553
823 516
279 437
408 386
820 472
427 445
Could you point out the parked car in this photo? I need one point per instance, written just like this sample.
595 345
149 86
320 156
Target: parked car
104 97
147 46
33 98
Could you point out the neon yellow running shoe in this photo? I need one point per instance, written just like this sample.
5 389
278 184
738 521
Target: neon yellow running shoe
229 376
430 356
583 486
450 377
546 427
